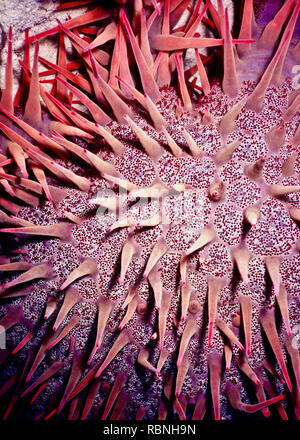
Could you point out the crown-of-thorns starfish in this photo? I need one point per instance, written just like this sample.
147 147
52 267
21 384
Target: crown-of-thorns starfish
152 232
